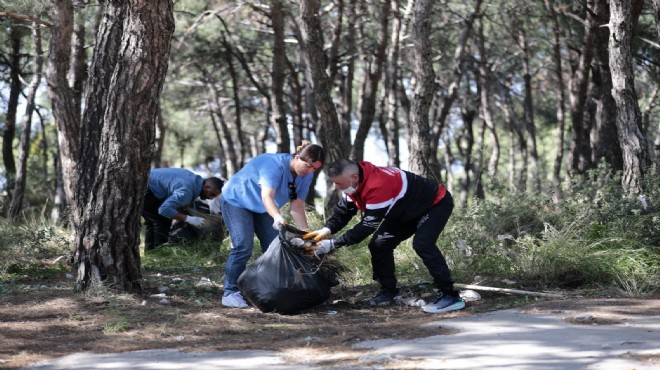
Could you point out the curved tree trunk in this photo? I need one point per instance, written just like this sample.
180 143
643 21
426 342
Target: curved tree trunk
328 125
373 76
108 201
24 148
628 118
458 69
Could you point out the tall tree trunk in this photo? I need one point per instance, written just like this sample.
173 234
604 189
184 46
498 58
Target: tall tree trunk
420 144
373 76
580 151
468 114
108 201
628 118
656 14
347 78
279 117
458 68
78 67
15 88
24 148
483 82
604 138
65 111
161 131
328 125
530 126
561 99
391 86
646 123
242 145
225 137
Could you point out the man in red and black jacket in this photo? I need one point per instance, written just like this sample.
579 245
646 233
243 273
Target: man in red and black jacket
395 205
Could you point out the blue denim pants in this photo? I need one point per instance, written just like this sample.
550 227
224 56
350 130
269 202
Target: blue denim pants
242 225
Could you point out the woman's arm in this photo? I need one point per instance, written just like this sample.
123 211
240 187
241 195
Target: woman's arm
268 199
298 213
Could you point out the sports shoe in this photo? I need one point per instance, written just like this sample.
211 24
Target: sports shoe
234 300
384 298
444 303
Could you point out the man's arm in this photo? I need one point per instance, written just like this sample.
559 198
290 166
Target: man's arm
342 213
369 223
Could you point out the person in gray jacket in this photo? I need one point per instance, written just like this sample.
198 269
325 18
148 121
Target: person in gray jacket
169 189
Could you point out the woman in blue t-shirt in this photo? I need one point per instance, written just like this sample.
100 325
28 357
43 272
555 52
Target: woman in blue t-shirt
251 202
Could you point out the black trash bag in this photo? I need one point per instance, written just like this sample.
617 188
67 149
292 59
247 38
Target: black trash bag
283 280
213 229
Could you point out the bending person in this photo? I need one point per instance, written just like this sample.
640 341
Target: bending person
251 202
169 189
395 205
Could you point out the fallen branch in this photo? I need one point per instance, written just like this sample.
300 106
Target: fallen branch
25 18
505 290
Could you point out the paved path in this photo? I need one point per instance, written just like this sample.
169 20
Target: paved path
508 339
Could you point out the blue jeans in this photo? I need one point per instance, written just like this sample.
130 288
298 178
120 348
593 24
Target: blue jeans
242 225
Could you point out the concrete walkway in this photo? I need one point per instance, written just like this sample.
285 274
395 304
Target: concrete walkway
508 339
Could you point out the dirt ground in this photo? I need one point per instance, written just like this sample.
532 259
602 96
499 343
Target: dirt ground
45 319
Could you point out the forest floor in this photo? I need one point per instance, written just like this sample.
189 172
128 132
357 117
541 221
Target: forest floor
44 319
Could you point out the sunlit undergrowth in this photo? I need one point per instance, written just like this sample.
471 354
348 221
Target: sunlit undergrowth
594 237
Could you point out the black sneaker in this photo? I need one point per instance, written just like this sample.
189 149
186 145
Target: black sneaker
384 298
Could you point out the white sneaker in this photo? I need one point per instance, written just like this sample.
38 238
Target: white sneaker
444 304
234 300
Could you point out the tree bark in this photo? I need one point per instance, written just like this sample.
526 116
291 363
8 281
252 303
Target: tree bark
15 88
483 83
242 145
530 126
656 14
65 112
604 139
373 76
458 69
122 124
391 85
628 118
420 141
24 148
279 117
78 67
580 150
328 125
561 99
161 130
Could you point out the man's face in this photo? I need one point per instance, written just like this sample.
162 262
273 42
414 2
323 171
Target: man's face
208 192
343 181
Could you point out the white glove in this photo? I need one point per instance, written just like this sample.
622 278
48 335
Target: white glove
195 221
317 234
325 247
278 221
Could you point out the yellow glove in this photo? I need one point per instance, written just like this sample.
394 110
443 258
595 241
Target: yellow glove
317 234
